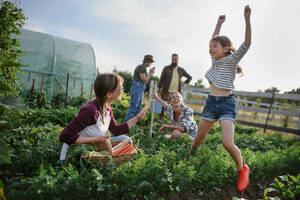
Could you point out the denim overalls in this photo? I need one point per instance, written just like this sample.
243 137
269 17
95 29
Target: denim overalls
136 98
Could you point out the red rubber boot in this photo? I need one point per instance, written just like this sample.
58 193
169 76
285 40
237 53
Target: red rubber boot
243 179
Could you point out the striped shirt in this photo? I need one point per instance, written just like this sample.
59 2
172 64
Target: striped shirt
222 72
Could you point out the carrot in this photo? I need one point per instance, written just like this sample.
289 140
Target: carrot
120 149
133 147
121 144
126 149
129 149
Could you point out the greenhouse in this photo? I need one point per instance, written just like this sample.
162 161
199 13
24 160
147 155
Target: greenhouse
49 59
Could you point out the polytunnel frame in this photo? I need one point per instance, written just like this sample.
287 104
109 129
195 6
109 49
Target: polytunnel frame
53 74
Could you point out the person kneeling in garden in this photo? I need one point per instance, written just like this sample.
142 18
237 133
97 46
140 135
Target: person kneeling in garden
92 122
182 117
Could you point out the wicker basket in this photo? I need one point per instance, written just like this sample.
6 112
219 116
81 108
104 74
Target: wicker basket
118 159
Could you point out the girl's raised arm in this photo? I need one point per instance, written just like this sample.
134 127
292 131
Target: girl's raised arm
221 19
247 13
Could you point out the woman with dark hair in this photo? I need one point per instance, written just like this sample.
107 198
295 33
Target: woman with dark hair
96 118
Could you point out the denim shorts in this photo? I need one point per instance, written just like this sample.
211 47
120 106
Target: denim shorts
219 108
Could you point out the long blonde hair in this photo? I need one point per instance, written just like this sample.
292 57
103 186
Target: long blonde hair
225 41
179 95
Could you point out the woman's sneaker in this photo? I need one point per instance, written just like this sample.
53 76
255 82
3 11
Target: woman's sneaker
243 179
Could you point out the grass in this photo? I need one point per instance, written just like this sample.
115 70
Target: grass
162 169
261 118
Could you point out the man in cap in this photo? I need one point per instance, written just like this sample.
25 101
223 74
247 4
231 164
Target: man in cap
138 86
170 79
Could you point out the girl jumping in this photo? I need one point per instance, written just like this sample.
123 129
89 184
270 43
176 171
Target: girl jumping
220 104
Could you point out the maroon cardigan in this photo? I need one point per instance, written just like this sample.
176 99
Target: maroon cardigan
88 115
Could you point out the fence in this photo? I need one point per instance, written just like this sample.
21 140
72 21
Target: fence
275 108
53 83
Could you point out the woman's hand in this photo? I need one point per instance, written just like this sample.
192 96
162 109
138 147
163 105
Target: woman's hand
221 19
143 112
154 96
163 127
157 98
138 117
102 138
247 12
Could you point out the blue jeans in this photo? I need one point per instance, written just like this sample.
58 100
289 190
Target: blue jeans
136 98
121 137
219 108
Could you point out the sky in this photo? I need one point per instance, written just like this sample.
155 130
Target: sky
121 32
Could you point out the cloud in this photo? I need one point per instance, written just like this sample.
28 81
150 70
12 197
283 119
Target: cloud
164 27
34 28
159 20
106 57
171 25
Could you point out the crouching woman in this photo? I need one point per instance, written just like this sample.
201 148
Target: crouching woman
182 117
92 122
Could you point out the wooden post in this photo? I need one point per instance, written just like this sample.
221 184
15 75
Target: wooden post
91 91
183 92
151 90
32 87
298 136
67 87
60 86
42 82
238 100
272 100
81 91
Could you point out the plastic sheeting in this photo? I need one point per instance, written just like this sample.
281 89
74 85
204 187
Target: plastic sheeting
55 57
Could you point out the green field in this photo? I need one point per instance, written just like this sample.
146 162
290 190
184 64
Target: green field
161 170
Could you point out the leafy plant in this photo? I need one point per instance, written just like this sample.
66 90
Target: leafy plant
77 101
58 100
12 19
288 188
36 99
4 152
161 169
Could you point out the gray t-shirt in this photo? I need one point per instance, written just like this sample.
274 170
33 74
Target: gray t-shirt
139 69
